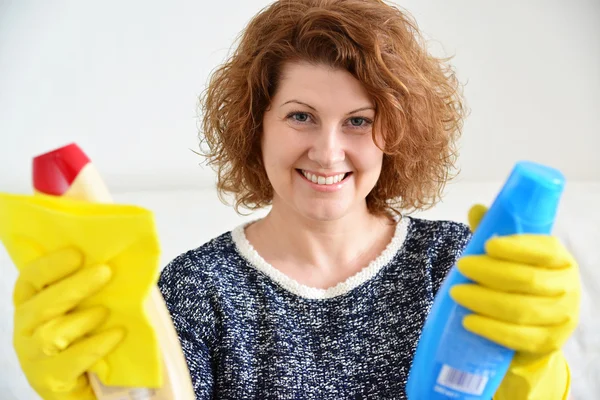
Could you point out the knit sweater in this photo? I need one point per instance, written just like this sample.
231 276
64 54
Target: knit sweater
250 332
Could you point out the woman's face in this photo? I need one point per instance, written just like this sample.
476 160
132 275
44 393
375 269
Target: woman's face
317 143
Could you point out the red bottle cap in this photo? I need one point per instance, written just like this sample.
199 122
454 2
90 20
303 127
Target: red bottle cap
55 171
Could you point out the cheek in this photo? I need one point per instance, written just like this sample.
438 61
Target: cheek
368 157
282 150
375 158
271 146
280 156
373 168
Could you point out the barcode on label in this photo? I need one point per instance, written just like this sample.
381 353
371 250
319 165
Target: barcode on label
462 381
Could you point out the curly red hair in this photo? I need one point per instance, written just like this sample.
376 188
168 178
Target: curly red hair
419 107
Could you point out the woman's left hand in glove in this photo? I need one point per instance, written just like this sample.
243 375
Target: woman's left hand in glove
525 296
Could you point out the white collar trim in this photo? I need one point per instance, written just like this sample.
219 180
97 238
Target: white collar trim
247 251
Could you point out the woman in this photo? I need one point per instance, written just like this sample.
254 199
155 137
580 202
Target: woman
333 114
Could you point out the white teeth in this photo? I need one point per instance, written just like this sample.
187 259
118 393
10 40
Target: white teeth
321 180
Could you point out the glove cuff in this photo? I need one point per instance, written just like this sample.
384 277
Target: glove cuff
534 377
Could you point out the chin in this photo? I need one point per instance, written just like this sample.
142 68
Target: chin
324 212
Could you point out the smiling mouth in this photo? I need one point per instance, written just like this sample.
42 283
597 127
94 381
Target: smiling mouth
321 180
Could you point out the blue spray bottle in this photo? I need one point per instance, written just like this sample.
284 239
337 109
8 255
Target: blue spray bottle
450 362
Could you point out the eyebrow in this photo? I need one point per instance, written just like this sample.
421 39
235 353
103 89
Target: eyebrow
312 108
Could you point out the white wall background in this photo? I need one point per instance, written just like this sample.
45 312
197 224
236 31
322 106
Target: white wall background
121 78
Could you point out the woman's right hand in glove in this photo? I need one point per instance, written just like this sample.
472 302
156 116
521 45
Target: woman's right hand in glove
55 342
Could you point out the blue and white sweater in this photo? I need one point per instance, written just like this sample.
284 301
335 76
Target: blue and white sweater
250 332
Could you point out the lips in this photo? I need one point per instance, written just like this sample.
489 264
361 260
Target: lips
324 180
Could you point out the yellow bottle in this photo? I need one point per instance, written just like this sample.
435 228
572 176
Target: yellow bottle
68 172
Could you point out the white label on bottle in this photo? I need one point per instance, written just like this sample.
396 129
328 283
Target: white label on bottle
461 381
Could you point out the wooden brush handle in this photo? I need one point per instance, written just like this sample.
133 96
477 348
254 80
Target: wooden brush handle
176 381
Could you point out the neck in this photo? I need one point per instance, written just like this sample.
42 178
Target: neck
322 246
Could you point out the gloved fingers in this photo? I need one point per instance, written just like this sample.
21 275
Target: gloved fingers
519 309
523 338
83 392
523 362
68 389
82 355
60 298
536 250
52 389
57 334
52 267
514 277
23 291
45 271
476 214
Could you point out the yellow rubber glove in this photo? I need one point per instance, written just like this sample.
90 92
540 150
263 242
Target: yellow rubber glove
122 237
51 342
525 297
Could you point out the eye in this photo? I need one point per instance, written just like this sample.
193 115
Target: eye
360 122
357 121
298 116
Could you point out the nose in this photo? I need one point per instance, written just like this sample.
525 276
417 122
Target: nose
327 149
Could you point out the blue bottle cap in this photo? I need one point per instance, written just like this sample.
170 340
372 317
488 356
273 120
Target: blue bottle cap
532 192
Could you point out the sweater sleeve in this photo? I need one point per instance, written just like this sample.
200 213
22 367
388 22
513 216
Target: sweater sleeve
189 303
